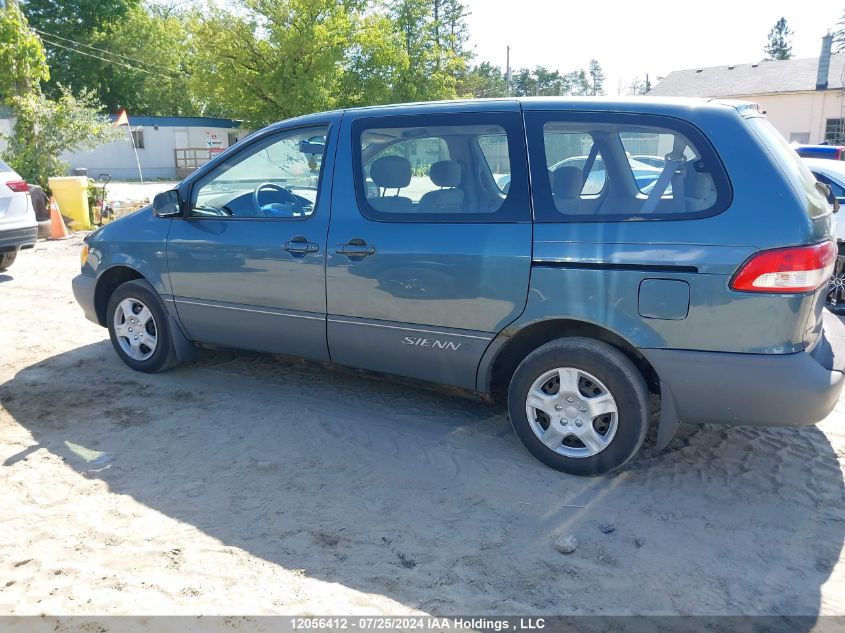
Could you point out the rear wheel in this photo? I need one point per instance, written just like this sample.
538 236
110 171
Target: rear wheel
139 328
579 406
7 259
835 300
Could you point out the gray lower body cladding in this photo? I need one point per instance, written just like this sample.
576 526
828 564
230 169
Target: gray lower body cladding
756 389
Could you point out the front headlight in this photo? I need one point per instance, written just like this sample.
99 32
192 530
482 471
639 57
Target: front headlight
83 255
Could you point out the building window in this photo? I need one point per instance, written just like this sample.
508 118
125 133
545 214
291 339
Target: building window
233 138
834 132
138 138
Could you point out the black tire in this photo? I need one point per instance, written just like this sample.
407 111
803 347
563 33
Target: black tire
620 377
835 298
164 355
45 229
7 259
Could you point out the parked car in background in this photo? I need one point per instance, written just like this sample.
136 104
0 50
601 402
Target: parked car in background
643 173
316 237
832 173
653 161
18 228
827 152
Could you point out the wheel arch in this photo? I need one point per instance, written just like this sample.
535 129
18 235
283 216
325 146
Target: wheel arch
510 347
107 283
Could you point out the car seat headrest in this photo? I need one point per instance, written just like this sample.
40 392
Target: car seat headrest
445 173
391 172
567 182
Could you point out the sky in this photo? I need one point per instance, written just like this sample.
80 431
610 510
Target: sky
631 38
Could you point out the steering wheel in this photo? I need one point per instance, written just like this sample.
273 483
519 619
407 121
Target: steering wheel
287 196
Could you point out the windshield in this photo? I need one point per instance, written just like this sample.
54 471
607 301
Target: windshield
5 167
793 165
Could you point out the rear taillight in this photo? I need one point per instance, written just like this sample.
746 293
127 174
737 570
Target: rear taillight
787 270
18 186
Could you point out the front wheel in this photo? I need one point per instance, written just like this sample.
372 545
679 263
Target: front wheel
579 405
139 328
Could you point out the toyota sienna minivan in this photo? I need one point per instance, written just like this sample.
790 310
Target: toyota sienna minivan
455 243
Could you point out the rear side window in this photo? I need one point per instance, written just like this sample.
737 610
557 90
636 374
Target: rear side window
618 167
441 168
793 165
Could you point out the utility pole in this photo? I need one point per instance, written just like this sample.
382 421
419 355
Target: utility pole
508 70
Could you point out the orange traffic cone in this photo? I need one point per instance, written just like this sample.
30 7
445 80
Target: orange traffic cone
58 230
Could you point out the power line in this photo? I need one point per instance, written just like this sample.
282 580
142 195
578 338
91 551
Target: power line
101 50
110 61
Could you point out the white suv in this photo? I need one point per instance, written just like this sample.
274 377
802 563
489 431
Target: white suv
18 228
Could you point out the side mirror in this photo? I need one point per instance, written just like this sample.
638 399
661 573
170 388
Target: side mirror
167 204
827 191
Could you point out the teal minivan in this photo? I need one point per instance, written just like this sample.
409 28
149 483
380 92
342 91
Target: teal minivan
573 256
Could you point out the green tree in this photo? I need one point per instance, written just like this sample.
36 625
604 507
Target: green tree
433 35
839 35
483 81
638 87
375 60
779 45
596 78
45 128
549 82
523 83
21 57
131 55
267 60
65 27
577 83
151 48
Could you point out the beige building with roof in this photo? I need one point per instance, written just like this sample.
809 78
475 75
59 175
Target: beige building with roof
803 98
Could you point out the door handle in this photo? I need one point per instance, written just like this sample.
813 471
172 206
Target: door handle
356 248
300 246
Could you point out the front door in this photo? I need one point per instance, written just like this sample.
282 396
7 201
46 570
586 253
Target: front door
429 249
247 264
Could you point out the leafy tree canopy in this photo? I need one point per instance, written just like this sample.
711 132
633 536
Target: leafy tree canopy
21 57
779 45
45 128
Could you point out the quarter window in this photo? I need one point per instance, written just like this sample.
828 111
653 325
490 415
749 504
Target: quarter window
621 167
277 178
441 168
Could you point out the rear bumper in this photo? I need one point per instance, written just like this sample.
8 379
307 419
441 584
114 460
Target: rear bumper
13 239
83 292
756 389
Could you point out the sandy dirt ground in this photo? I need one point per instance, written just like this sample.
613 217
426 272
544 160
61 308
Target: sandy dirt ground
253 485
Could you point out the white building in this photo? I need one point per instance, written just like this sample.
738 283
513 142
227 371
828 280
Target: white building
803 98
168 147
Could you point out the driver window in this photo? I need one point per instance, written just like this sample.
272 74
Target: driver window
278 178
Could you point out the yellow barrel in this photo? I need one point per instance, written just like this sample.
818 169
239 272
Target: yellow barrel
71 192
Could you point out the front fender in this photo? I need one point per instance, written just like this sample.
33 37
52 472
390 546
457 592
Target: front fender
137 241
